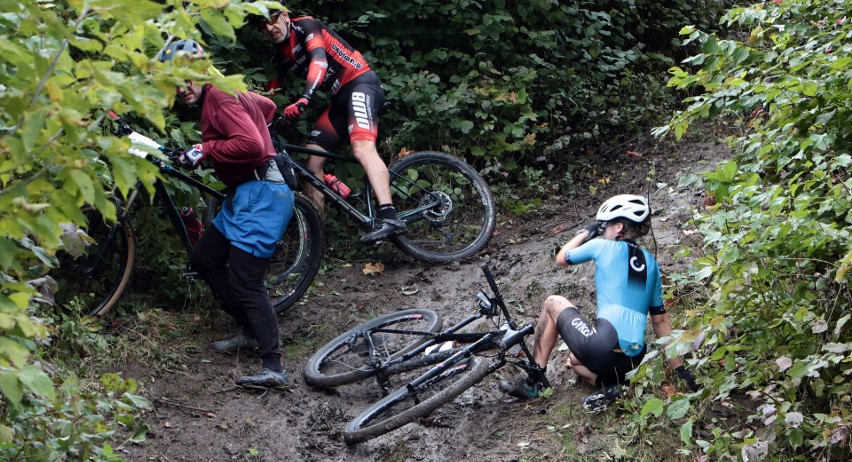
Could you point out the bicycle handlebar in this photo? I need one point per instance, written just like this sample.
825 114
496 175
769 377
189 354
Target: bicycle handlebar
141 145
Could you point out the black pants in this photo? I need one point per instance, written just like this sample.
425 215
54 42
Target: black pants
236 278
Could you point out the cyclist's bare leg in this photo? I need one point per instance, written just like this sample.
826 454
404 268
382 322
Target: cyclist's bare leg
377 172
546 333
315 164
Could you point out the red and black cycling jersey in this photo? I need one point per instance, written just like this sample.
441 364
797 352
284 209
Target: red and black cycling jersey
317 52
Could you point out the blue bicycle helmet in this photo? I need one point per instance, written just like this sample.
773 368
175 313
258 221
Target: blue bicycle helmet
181 46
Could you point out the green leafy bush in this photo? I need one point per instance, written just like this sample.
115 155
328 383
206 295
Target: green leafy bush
778 249
504 82
63 65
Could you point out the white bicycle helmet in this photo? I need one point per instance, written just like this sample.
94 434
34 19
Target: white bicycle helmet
628 206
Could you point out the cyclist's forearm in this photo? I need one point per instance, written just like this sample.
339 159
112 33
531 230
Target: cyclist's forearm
575 242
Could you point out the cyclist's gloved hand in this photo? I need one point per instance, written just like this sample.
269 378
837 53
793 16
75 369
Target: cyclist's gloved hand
293 111
191 156
687 377
593 229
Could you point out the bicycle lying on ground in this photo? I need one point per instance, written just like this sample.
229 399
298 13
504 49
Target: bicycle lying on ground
410 340
447 206
98 279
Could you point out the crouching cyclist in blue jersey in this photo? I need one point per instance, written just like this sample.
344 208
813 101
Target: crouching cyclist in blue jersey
628 287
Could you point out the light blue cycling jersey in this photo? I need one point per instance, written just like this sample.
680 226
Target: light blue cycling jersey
623 301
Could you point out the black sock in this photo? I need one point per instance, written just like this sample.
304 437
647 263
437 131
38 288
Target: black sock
387 211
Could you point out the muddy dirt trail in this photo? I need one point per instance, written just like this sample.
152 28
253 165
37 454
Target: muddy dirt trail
199 415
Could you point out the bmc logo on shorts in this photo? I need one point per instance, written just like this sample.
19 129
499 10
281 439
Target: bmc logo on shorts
581 327
359 108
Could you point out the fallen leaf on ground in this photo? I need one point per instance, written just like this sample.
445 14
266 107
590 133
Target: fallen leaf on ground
373 268
634 154
558 229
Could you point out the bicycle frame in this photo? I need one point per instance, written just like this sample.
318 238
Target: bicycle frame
476 343
367 220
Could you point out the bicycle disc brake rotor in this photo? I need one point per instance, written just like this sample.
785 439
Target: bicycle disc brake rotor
441 212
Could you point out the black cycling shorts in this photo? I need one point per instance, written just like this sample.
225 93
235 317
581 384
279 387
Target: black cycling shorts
596 346
352 115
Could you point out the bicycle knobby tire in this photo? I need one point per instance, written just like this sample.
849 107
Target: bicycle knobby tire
447 206
346 360
404 405
96 280
298 255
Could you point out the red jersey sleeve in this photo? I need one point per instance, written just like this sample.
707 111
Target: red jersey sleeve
315 46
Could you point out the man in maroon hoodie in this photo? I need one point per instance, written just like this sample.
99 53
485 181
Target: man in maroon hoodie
233 254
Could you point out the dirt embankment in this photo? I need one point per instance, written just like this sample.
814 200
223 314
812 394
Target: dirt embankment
200 416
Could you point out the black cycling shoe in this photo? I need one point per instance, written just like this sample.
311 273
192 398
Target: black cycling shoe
599 401
387 227
241 341
266 378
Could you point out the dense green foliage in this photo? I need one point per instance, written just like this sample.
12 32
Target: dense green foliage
62 65
503 82
774 323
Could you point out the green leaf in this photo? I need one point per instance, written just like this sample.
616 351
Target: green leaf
37 381
84 185
652 406
33 125
686 433
7 435
678 408
15 351
8 252
799 369
11 387
138 401
217 23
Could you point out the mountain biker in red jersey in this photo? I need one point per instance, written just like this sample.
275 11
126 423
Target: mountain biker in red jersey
628 288
308 47
233 254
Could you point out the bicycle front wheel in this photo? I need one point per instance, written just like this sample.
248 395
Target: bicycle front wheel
94 282
447 207
407 404
346 359
298 255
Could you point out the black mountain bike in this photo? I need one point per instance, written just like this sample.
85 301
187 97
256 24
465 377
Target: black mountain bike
447 206
97 279
410 340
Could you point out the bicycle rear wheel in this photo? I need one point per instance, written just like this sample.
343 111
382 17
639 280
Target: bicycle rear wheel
298 255
94 282
447 207
404 405
346 358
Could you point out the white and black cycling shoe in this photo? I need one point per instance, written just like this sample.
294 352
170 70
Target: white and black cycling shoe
597 402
